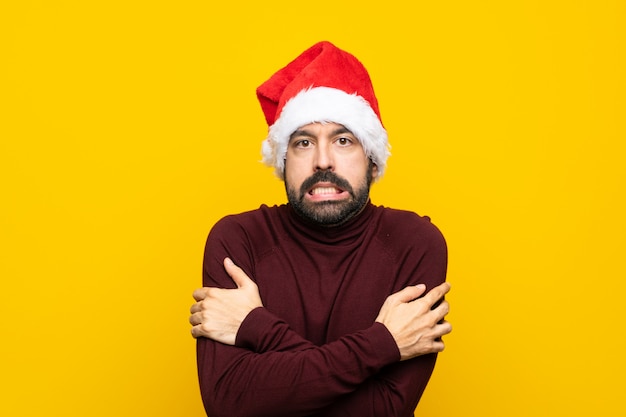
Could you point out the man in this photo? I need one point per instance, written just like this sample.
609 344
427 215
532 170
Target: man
327 305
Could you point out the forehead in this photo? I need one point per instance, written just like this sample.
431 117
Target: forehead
321 128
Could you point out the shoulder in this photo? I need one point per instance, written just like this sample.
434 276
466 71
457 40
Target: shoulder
254 226
256 220
243 237
403 230
239 218
407 223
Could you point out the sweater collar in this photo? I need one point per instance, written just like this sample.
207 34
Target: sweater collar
344 234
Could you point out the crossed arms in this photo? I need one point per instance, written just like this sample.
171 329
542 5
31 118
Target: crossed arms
259 366
414 324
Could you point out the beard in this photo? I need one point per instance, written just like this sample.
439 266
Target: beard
332 212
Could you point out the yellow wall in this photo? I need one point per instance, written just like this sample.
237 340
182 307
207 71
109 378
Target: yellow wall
127 128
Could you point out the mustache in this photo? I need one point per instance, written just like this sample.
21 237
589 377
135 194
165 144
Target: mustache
325 176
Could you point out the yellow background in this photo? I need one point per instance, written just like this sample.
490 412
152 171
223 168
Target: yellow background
127 128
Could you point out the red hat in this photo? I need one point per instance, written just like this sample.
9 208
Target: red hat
323 84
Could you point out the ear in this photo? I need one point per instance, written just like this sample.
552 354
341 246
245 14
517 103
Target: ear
374 169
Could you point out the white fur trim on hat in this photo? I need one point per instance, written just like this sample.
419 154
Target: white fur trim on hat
325 104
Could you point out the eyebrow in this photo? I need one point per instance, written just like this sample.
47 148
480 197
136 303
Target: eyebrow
306 133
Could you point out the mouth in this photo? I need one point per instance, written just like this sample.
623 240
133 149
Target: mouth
325 191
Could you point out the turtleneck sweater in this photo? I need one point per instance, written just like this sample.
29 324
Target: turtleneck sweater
314 348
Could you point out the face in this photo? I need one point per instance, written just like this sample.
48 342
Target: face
327 174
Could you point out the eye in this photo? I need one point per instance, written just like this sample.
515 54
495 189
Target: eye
304 143
344 141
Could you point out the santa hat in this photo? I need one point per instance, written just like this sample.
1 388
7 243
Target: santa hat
323 84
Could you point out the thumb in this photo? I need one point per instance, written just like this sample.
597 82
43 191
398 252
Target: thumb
199 294
238 276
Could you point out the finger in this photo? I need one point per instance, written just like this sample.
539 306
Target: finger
408 294
441 311
438 346
199 294
436 293
195 332
438 332
446 328
199 327
196 307
239 277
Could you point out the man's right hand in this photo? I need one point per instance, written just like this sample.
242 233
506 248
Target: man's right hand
219 312
415 325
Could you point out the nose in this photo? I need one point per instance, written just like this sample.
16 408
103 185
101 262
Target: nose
324 158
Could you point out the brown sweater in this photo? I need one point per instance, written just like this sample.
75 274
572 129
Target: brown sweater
314 349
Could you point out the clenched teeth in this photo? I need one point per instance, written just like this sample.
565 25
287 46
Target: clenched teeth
324 190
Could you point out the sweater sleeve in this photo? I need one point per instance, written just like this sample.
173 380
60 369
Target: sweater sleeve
236 381
394 390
